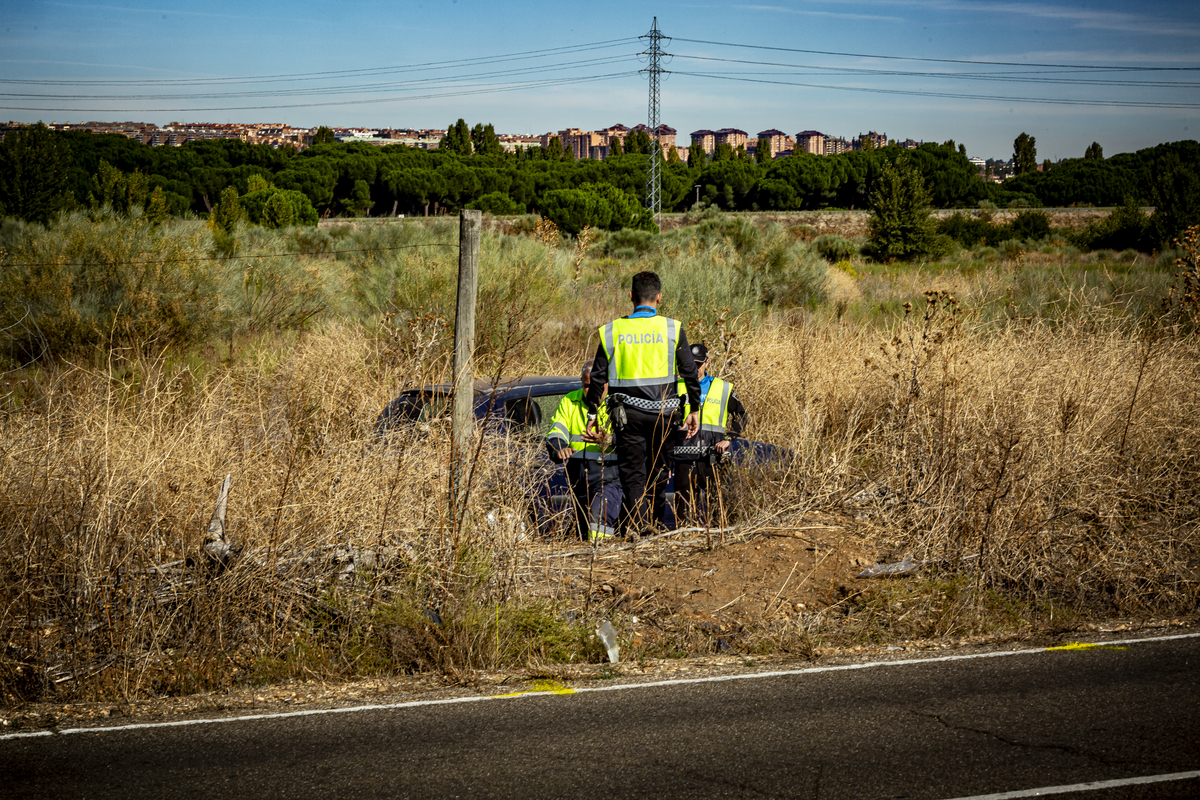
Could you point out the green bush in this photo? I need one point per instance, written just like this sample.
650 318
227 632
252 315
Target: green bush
596 205
901 227
626 242
969 231
498 203
106 279
1127 227
1030 226
834 248
278 208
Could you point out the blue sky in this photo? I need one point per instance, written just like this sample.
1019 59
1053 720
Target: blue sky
1125 75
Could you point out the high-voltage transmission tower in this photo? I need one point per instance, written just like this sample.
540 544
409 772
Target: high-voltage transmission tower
655 55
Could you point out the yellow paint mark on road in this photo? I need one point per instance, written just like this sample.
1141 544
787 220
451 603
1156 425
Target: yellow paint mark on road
1086 646
542 687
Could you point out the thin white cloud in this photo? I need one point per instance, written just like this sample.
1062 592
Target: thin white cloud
155 11
815 13
142 67
1099 57
1081 17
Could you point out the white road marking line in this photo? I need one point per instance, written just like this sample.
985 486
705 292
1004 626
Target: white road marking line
1085 787
610 688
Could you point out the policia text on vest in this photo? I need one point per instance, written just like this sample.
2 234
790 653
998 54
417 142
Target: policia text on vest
642 357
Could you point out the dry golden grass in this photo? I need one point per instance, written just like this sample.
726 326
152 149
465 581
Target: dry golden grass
1055 465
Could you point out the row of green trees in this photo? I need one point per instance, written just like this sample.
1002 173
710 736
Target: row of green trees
353 179
43 171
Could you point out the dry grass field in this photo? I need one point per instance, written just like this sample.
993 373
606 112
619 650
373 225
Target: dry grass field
1026 429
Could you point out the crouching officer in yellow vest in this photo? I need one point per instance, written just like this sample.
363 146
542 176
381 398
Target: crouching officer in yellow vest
643 357
591 463
722 419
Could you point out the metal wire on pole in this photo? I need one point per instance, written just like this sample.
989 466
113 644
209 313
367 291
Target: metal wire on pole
654 53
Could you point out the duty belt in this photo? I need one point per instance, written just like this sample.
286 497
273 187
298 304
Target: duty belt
669 404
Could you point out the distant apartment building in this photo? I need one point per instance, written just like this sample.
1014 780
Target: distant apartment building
775 141
731 136
616 132
511 142
666 138
910 144
811 142
834 145
877 140
579 142
706 139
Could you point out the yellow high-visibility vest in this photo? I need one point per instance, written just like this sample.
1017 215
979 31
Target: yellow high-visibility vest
714 411
570 423
641 351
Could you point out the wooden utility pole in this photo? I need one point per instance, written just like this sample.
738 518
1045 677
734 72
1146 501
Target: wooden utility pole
469 226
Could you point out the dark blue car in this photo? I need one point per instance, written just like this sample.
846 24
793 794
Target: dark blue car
526 406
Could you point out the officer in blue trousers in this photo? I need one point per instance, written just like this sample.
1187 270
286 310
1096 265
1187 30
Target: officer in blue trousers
643 357
694 459
591 462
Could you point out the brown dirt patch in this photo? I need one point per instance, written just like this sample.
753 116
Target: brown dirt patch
669 592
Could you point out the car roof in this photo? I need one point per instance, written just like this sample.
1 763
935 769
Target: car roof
527 386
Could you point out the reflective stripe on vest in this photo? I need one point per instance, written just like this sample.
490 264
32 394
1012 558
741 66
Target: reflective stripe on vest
714 416
714 411
641 351
570 423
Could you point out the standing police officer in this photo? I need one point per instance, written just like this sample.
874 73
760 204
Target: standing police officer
642 357
591 463
722 418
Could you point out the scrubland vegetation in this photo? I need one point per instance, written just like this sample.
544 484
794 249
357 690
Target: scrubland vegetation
1020 415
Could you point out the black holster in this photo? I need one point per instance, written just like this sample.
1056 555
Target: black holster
616 414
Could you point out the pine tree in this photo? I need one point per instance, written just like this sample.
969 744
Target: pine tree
1024 154
901 225
762 153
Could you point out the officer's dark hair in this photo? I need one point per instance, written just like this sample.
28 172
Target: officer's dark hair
646 286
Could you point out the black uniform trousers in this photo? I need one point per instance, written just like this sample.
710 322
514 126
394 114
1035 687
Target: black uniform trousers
693 480
643 452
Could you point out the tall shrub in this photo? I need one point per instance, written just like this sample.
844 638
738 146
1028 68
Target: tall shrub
901 227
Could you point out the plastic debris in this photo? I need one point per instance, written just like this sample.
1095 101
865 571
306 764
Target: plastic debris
609 637
898 569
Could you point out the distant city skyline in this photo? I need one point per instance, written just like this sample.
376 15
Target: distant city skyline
1126 77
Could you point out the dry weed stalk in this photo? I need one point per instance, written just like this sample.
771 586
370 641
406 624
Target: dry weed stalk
583 243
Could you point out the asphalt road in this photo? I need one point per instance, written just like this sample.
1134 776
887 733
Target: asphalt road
975 726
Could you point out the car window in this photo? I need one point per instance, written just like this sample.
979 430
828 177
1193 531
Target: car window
548 403
525 413
418 407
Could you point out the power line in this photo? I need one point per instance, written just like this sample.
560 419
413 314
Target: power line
951 95
447 81
1000 77
400 98
938 60
480 60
